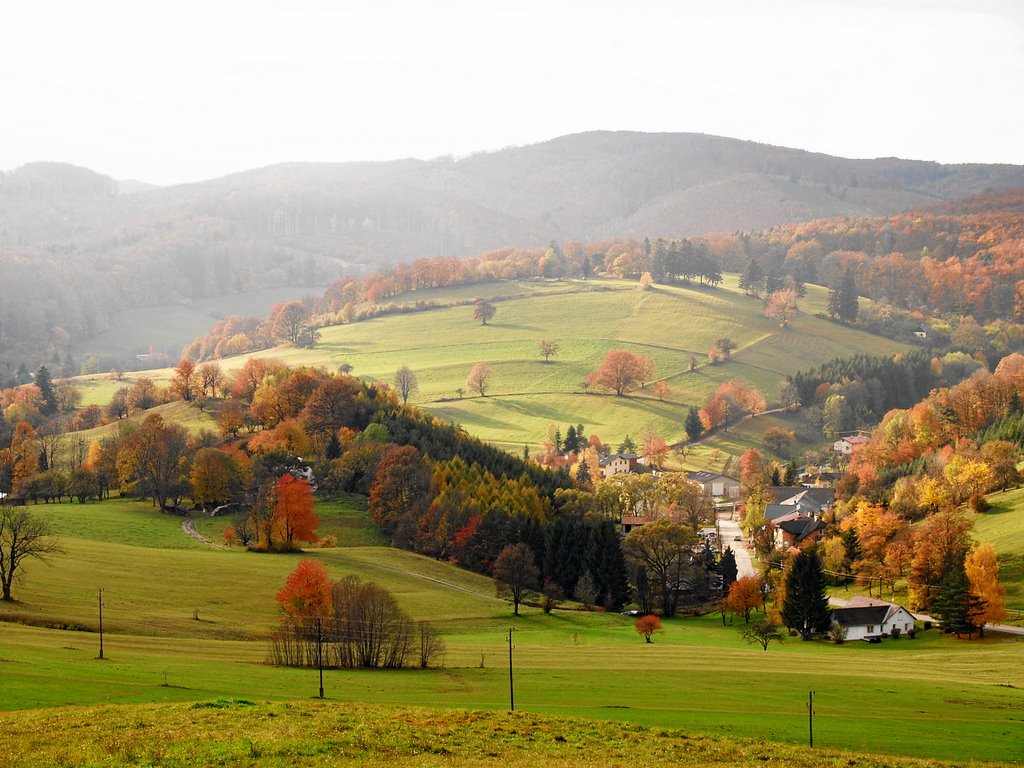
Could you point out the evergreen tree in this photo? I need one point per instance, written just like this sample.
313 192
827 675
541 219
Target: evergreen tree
956 608
583 478
728 569
833 302
45 383
805 607
571 443
752 279
628 445
693 425
333 447
607 565
848 305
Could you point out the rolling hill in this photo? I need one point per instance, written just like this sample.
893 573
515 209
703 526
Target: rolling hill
587 318
75 253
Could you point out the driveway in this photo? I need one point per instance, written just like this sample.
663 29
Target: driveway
729 530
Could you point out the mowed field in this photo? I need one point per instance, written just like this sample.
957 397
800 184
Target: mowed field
185 622
587 319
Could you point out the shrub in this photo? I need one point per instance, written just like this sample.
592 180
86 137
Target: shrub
978 503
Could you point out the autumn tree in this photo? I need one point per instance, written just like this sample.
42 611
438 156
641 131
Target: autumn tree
781 306
982 569
306 593
22 535
685 500
548 349
662 389
401 493
293 519
621 370
143 394
186 382
406 383
483 310
744 596
665 550
212 378
214 477
515 573
479 379
288 321
152 460
647 625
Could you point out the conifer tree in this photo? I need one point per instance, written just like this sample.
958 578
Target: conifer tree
957 608
693 424
727 568
45 383
805 608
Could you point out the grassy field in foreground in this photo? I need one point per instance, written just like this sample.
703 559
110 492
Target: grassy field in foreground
186 623
291 735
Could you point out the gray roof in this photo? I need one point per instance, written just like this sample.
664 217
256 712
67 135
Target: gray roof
802 528
872 615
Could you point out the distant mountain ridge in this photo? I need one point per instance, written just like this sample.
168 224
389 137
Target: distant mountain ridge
76 246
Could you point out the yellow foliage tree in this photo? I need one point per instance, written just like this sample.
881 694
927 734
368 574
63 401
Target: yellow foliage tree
982 567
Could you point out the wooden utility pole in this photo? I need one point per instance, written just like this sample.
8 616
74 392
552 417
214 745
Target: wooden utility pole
810 717
320 652
511 689
101 621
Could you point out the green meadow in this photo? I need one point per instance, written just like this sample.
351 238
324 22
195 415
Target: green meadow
587 319
184 622
1002 526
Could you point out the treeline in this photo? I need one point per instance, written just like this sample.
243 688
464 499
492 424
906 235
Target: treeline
964 258
871 384
922 458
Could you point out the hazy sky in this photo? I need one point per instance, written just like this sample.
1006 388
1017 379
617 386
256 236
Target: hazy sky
180 91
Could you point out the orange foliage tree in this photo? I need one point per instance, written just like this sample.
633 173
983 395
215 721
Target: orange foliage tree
744 596
293 519
647 626
621 371
306 593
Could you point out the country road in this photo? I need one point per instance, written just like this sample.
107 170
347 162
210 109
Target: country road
729 529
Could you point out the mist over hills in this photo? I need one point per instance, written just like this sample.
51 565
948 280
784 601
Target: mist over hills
77 247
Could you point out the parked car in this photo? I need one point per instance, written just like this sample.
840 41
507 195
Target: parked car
737 537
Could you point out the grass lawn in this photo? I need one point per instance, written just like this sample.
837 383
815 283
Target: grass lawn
186 623
1003 527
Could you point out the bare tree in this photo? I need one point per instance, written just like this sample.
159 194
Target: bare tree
483 310
548 349
515 573
479 379
406 382
22 536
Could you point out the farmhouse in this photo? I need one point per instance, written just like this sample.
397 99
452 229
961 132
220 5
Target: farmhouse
716 484
866 618
847 444
617 463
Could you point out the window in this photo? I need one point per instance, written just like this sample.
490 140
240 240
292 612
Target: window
871 627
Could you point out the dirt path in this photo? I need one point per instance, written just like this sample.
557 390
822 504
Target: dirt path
189 527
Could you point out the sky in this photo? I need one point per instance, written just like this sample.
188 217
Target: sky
174 92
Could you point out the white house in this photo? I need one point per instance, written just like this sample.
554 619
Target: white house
847 444
617 463
866 618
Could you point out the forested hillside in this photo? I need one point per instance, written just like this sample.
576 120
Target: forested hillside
76 250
